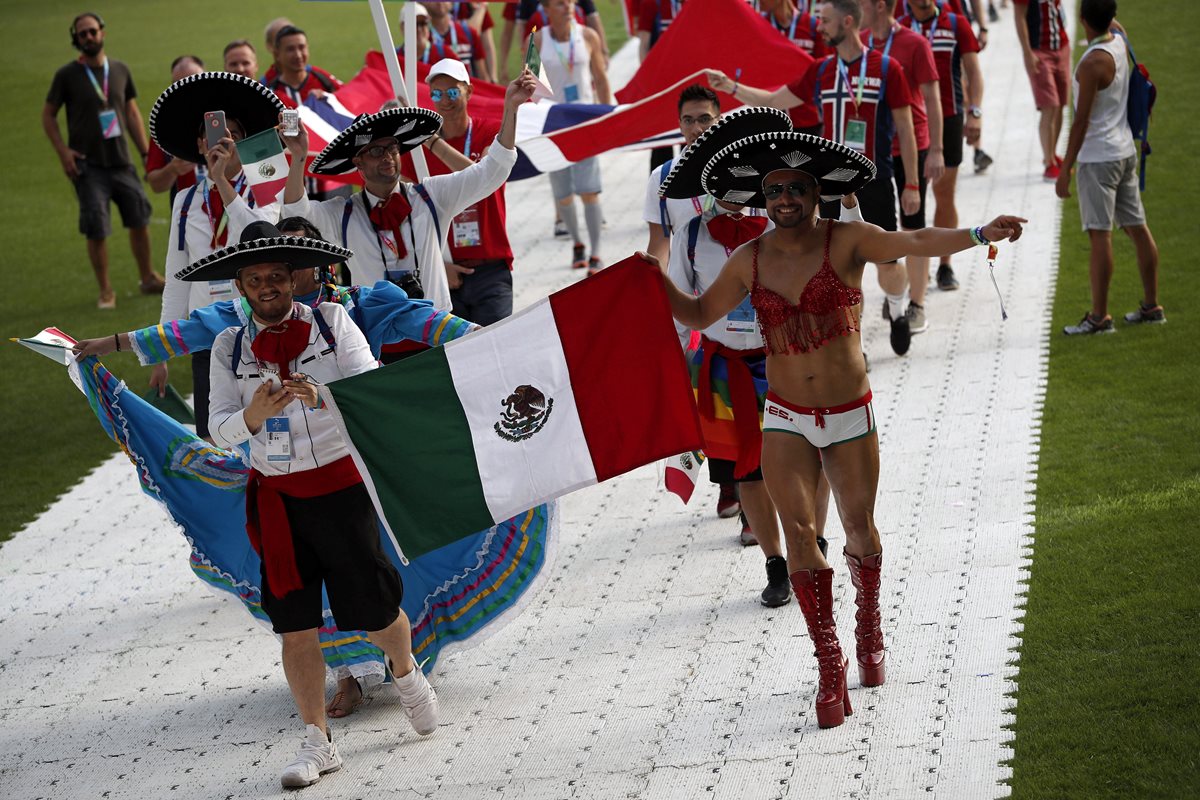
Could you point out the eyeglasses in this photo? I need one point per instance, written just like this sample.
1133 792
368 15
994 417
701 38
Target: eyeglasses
380 150
796 189
88 32
703 119
452 94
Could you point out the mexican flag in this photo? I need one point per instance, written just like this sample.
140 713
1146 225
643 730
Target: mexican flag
583 386
264 165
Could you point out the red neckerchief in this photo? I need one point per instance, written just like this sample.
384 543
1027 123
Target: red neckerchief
214 206
281 344
389 214
734 230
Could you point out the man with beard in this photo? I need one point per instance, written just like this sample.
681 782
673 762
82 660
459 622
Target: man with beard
102 108
804 280
308 513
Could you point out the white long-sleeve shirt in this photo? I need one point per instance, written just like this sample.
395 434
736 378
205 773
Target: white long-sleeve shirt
316 441
181 298
373 260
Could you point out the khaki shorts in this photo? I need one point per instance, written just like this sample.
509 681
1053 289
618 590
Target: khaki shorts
1108 193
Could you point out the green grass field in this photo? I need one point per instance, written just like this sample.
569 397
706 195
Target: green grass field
43 258
1108 703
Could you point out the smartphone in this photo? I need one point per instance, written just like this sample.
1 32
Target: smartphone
214 127
290 122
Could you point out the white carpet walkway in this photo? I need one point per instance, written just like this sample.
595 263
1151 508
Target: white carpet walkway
646 667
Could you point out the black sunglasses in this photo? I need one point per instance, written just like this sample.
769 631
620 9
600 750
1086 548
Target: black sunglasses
796 189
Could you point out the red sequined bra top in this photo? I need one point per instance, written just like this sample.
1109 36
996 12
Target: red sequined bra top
826 309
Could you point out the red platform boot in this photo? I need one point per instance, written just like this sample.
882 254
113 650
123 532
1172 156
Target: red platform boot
814 593
868 638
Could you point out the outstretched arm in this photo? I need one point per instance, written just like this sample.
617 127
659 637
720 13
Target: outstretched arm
724 295
782 98
880 246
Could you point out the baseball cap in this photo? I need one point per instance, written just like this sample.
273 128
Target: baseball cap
449 66
421 12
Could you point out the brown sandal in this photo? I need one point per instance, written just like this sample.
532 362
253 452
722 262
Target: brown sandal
341 705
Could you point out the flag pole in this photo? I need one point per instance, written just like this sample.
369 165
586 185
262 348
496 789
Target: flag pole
399 88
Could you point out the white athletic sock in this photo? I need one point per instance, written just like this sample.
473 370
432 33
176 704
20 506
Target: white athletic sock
897 304
571 220
594 216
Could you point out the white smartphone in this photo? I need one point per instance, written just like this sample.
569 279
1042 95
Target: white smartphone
290 122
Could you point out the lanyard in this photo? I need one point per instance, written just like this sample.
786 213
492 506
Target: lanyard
218 226
381 240
467 142
441 39
887 48
703 204
917 25
570 62
101 92
844 73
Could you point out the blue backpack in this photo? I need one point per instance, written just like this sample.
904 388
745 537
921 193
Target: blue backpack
1142 94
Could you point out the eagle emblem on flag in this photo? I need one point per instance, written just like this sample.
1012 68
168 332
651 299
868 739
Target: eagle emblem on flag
525 413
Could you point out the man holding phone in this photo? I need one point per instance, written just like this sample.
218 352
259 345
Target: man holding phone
102 108
308 514
199 119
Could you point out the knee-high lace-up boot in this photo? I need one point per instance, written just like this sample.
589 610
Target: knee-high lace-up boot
868 637
814 593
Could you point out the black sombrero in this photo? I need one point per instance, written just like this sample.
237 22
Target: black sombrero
683 181
408 126
736 173
178 114
263 243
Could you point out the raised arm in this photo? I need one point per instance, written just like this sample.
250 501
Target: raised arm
782 98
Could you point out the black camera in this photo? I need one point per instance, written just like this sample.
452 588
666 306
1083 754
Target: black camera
411 286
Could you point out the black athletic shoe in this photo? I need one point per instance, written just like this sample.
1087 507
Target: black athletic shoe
945 278
779 587
982 161
993 14
901 335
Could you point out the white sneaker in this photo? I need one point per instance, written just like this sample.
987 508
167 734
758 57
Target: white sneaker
418 699
318 755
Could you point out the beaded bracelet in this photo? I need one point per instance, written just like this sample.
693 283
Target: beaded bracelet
977 236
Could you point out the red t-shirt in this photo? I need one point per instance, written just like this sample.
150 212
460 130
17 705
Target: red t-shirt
491 212
293 96
657 15
802 32
838 93
950 35
157 158
1047 23
913 53
465 44
462 13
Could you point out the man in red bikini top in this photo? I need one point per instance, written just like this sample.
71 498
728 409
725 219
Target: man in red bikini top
805 280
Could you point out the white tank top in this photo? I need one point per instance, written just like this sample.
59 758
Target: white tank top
568 64
1108 136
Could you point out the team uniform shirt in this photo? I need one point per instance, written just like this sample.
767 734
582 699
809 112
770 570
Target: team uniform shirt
192 232
464 43
669 212
1047 23
912 51
293 96
739 329
568 65
315 440
376 258
864 125
802 32
530 14
950 36
462 12
480 232
157 158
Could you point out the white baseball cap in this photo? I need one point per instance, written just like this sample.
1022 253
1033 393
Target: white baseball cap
449 66
421 12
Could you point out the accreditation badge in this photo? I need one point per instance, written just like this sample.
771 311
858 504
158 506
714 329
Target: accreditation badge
466 228
571 93
110 125
856 135
279 439
741 319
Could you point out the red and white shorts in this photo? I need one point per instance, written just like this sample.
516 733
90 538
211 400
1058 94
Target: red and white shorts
822 427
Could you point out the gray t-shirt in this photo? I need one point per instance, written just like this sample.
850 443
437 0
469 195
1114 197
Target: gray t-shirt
72 88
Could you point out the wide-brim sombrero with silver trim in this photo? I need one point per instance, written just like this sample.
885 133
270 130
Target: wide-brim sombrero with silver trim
683 181
177 118
408 126
736 173
263 243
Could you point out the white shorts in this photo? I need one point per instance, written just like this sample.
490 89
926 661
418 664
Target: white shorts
822 427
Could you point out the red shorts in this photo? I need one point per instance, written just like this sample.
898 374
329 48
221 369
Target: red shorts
1050 87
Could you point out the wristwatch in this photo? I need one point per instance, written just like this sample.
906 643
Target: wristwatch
976 112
